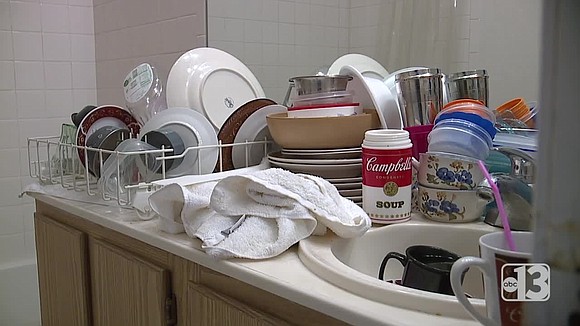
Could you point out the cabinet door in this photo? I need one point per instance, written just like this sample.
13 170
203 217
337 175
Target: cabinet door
208 307
127 290
61 253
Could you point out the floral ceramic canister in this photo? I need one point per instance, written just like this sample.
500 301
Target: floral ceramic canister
451 206
448 171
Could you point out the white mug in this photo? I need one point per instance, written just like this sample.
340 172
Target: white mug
494 254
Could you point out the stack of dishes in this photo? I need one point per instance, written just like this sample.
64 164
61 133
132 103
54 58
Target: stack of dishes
341 166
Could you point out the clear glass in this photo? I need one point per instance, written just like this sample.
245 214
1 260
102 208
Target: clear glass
144 93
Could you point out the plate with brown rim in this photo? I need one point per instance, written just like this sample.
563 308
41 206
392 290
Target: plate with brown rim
231 127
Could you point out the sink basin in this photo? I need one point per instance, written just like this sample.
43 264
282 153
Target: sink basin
353 264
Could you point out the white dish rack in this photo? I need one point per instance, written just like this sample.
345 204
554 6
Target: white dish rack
54 162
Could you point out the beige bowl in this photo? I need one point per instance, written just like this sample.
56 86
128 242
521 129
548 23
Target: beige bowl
319 133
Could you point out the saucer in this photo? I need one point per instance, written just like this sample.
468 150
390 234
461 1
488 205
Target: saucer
284 158
347 185
323 171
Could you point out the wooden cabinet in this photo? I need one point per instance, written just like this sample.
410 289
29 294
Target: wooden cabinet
211 308
62 273
92 275
127 290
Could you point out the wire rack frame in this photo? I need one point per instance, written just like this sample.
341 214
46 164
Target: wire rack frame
53 162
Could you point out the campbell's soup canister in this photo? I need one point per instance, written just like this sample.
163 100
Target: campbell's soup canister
387 175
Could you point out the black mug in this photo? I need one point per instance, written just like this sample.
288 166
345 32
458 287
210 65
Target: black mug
425 268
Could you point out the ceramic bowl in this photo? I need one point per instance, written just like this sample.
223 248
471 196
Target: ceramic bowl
451 206
319 133
448 171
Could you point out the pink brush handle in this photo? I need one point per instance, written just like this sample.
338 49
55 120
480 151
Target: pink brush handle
502 213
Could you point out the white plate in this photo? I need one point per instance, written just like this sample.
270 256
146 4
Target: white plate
350 192
348 185
279 157
254 128
373 94
324 171
336 181
367 66
212 82
194 130
321 151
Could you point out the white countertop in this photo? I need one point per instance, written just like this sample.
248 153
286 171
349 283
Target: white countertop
293 282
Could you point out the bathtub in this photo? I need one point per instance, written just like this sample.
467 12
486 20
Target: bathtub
19 301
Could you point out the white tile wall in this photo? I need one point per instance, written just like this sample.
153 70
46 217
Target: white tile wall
130 32
41 44
448 34
521 76
279 39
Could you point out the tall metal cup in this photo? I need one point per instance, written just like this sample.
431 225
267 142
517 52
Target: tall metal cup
473 84
420 95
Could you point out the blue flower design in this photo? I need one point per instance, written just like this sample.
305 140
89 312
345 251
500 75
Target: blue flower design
464 177
445 175
448 207
432 205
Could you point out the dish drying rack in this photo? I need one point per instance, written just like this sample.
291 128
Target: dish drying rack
53 161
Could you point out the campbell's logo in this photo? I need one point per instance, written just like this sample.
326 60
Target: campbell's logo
403 164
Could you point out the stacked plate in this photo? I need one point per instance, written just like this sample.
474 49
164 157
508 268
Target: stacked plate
342 167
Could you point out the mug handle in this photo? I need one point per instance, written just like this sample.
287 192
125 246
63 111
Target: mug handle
457 270
400 257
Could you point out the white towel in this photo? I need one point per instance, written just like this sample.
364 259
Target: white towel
262 213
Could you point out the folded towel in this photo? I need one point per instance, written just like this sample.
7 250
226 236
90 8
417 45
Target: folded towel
259 215
277 193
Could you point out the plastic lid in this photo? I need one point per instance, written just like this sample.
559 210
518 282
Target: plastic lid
472 117
467 126
468 106
387 138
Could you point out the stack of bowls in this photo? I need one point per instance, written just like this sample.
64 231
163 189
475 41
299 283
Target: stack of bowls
463 127
322 96
449 171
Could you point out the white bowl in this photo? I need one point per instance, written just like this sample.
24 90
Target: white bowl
372 93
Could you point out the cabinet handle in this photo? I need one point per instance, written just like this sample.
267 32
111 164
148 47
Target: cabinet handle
171 310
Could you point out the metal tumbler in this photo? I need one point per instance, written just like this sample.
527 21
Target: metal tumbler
472 84
420 95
